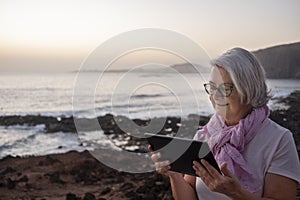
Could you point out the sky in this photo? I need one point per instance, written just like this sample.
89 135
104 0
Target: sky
60 34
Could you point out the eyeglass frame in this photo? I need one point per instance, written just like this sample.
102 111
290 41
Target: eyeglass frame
231 88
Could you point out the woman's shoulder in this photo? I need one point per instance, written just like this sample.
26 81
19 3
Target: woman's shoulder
270 141
273 129
272 134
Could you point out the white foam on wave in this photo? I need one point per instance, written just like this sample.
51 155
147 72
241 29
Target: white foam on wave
97 140
26 141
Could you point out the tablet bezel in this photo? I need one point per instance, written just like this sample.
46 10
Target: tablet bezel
190 152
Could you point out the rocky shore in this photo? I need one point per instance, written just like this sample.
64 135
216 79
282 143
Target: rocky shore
75 176
290 117
79 176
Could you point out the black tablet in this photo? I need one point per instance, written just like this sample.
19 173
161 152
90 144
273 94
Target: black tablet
181 152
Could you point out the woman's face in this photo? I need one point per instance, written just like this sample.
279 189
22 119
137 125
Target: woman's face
230 107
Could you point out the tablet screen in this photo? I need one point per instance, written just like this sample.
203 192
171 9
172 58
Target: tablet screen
181 152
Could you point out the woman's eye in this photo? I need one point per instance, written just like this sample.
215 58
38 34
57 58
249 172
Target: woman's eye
213 87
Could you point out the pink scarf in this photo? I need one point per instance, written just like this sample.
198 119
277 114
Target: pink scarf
227 143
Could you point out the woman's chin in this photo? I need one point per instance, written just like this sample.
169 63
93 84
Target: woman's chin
221 111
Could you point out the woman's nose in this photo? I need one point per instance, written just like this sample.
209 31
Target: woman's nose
217 95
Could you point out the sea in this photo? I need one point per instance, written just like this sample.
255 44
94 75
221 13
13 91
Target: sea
140 95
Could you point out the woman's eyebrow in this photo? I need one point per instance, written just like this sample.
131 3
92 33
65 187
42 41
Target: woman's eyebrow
212 83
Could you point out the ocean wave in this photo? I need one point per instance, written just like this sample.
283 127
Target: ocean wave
26 142
142 96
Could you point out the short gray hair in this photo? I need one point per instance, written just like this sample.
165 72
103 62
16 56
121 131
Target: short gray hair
247 75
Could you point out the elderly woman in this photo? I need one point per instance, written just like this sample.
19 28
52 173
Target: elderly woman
257 157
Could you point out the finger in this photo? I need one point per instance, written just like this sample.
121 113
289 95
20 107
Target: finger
197 171
198 165
211 170
162 167
155 157
226 171
162 164
200 170
150 148
164 170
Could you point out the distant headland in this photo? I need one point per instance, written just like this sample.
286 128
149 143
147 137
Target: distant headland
279 62
282 61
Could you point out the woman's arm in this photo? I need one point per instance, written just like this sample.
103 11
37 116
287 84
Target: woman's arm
276 187
183 187
279 187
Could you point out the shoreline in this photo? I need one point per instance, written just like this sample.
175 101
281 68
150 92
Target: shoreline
78 175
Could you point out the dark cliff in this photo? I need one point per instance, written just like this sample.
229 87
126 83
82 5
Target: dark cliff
281 61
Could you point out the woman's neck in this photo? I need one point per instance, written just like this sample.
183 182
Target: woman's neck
234 120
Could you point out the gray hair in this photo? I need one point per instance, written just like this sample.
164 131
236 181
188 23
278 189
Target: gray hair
247 74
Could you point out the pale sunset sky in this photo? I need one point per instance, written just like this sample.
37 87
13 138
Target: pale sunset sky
60 34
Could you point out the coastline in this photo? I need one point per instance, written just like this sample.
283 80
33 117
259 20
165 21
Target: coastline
78 175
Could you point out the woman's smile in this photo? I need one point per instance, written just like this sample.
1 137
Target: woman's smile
221 104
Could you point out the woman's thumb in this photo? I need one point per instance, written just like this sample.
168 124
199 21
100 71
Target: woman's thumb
226 171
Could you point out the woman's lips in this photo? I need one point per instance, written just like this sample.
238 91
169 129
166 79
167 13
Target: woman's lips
221 104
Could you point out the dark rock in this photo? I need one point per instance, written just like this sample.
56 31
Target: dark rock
105 191
149 196
71 196
55 178
48 161
64 125
2 184
89 196
10 184
130 194
126 186
23 179
87 172
7 170
142 189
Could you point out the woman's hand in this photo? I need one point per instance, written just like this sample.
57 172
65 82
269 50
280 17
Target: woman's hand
227 183
162 167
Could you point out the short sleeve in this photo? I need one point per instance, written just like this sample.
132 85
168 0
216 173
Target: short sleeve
285 161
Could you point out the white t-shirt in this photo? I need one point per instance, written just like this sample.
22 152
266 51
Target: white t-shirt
272 150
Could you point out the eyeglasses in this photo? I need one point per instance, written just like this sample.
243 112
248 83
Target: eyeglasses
224 89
